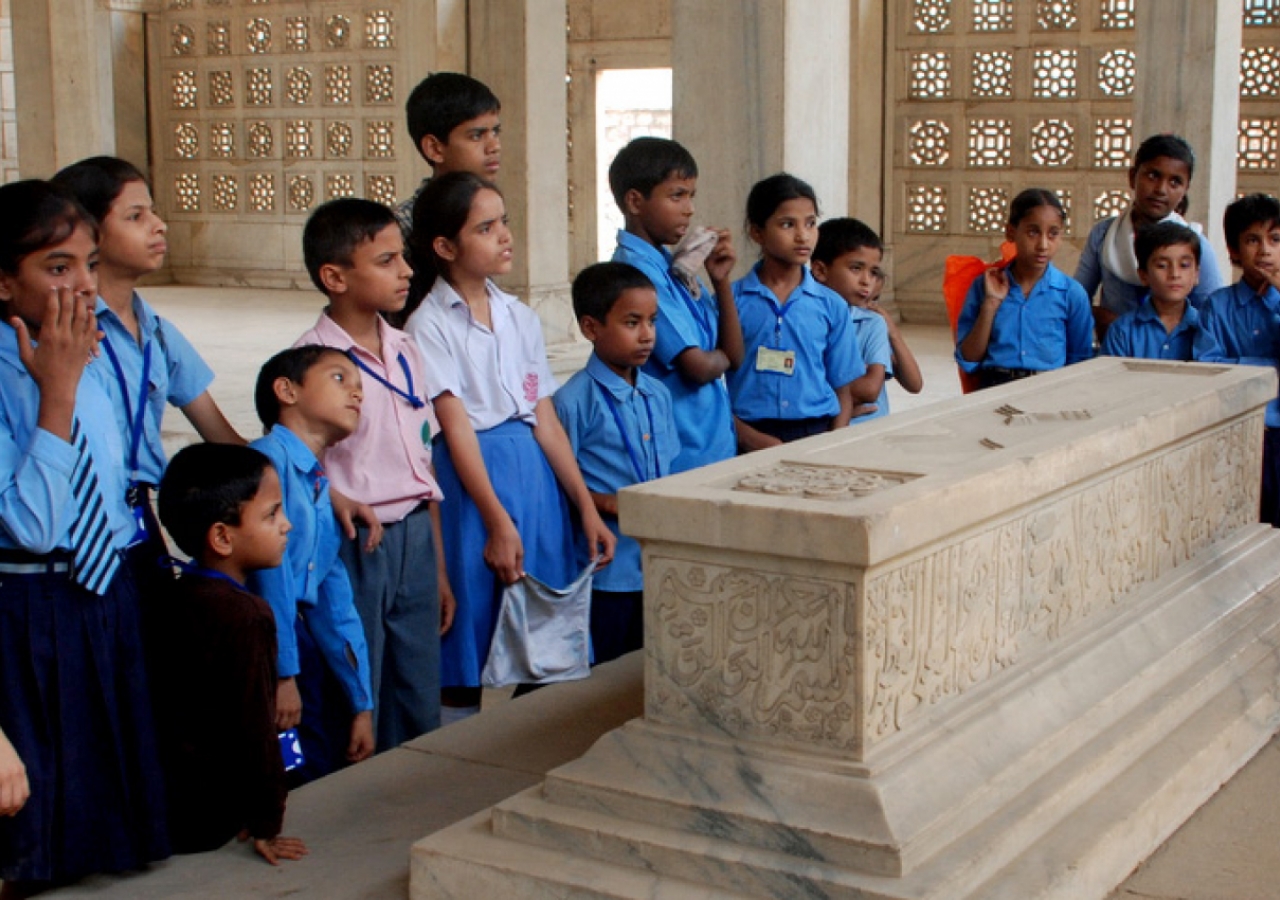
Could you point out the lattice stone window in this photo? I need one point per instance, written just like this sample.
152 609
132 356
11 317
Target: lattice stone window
262 192
257 87
182 40
184 89
1259 69
1112 142
1118 72
180 4
930 76
379 84
222 90
381 188
379 140
338 140
222 139
299 139
217 38
1260 13
1064 197
379 29
988 207
993 15
990 143
186 189
186 140
931 16
992 74
339 185
297 86
1110 203
297 34
1053 74
257 35
1257 148
926 208
302 192
337 85
1053 142
226 193
337 32
929 143
1118 14
259 140
1057 15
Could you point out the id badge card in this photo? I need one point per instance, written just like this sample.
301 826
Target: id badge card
135 498
783 362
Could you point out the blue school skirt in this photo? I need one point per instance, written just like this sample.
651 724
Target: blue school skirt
528 490
75 705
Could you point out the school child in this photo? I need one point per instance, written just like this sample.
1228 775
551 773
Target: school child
1026 317
309 399
354 252
622 430
14 787
147 362
503 448
453 121
1165 325
801 353
847 260
654 181
1244 318
1159 178
75 703
213 654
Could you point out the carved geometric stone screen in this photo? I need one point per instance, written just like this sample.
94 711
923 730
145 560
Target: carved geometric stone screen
1258 142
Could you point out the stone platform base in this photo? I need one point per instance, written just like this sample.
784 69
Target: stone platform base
1053 780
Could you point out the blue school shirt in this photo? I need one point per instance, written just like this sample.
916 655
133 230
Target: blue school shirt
1246 327
1048 330
1120 296
1141 334
312 576
703 420
609 457
815 324
37 507
873 343
177 376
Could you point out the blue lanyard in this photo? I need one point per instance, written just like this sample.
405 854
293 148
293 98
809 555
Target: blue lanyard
626 439
192 568
136 420
695 307
408 395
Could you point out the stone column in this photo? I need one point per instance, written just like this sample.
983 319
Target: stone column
1189 82
518 48
762 86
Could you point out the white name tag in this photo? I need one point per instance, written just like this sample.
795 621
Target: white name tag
781 361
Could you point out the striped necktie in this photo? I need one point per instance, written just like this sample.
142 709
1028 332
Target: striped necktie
95 558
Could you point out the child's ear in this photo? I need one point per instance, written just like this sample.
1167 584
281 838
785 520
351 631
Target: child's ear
590 326
444 249
819 270
632 200
6 286
432 148
333 278
220 540
1142 276
1009 232
285 390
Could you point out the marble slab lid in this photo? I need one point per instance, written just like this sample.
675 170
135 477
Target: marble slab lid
873 492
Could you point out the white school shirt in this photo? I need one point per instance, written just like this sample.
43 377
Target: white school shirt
498 374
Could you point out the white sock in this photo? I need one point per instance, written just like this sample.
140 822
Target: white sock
451 714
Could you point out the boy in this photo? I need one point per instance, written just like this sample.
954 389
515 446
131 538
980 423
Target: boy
698 339
1165 325
354 253
620 424
847 259
453 121
213 654
309 398
1244 318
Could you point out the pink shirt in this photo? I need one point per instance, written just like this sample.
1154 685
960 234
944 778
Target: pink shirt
371 466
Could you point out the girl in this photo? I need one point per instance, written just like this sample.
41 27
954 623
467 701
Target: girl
148 363
1027 317
801 353
503 447
75 704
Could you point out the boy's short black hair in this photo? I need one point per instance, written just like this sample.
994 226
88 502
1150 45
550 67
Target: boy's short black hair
645 163
598 287
97 181
1246 212
444 100
337 228
1163 234
842 235
1169 145
293 364
205 484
